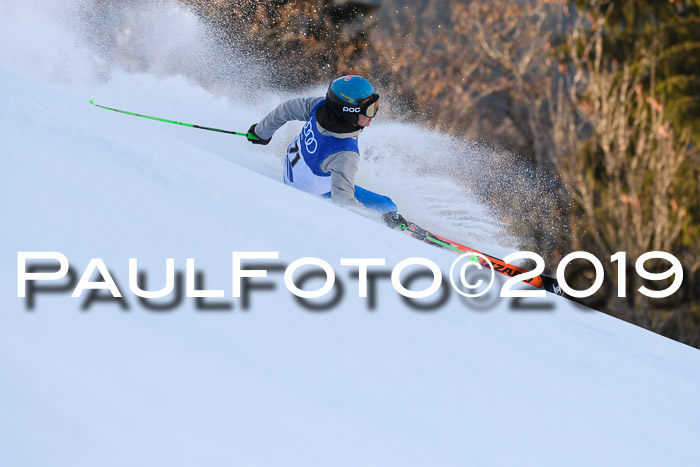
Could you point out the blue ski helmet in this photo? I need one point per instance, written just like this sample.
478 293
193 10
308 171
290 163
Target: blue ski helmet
351 95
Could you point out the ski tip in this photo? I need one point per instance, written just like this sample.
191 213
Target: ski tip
92 102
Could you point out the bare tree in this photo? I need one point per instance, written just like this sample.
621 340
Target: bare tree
620 157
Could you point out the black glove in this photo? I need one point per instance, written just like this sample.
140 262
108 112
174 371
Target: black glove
255 139
394 219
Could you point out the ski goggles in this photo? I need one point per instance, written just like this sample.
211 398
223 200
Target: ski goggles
370 106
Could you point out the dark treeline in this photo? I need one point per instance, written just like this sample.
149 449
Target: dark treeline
600 98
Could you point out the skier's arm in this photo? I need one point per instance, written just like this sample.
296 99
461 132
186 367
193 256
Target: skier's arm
343 169
294 109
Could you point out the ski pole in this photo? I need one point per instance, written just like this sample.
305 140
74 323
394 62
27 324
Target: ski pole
248 135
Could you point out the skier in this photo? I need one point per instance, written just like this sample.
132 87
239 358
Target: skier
323 158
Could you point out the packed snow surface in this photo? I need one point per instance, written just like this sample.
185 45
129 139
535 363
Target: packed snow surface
471 383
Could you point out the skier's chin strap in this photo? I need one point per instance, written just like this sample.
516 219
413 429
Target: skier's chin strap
329 120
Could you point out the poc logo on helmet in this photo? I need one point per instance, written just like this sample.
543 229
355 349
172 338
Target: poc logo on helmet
351 109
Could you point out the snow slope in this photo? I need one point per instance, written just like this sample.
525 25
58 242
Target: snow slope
467 384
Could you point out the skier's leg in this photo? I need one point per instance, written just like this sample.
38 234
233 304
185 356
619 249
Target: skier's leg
374 201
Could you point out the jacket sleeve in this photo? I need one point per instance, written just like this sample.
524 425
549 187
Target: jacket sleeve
343 169
294 109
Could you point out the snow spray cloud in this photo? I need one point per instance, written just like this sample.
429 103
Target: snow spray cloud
469 188
37 40
71 43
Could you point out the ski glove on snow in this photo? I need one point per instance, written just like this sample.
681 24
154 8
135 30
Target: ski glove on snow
254 138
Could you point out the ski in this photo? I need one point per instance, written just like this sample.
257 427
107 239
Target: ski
548 283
